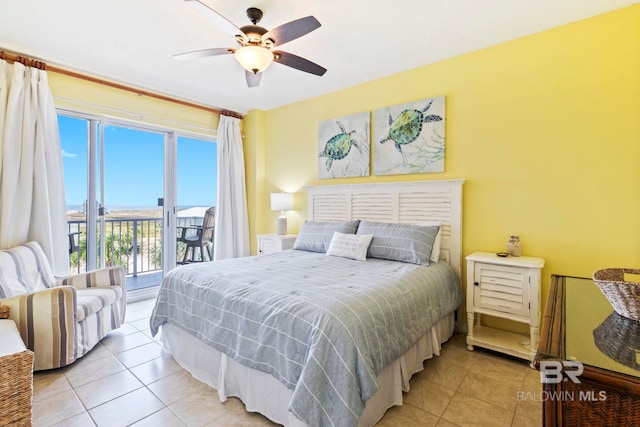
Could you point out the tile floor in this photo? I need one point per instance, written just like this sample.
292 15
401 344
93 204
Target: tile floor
128 379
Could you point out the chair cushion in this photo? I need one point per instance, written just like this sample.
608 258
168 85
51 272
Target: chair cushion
92 300
24 269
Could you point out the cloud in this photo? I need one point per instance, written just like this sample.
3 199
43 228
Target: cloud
65 154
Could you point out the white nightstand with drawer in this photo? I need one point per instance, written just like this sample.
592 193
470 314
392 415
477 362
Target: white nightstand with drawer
270 243
507 288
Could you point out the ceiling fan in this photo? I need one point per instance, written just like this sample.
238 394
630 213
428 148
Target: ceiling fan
256 53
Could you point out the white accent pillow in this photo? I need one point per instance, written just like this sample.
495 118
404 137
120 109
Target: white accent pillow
352 246
435 249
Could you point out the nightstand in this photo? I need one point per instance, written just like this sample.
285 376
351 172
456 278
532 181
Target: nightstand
508 288
270 243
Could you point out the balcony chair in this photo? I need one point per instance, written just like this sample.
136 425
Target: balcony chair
73 245
198 236
59 319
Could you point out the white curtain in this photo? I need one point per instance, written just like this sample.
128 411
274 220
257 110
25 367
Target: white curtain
231 238
32 201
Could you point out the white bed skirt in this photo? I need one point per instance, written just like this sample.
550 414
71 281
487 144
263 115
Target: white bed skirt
262 393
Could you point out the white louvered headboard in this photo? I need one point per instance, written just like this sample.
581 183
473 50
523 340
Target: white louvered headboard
399 202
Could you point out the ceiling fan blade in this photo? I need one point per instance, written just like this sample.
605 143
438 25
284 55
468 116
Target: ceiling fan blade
218 19
204 53
294 61
253 80
291 30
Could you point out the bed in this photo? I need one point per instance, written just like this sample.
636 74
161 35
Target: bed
309 339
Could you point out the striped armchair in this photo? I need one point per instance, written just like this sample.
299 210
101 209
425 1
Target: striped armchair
61 319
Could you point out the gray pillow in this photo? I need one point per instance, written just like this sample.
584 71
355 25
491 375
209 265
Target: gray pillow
400 242
316 236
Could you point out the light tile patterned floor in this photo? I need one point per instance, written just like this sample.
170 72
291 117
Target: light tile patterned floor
128 379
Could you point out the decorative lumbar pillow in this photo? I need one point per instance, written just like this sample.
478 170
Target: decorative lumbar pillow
24 269
316 236
352 246
400 242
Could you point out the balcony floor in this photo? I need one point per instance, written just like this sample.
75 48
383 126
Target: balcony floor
145 280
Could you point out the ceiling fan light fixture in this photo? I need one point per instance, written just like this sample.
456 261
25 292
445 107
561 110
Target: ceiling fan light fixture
255 54
254 58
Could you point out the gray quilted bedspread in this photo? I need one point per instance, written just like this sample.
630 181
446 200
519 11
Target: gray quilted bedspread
323 326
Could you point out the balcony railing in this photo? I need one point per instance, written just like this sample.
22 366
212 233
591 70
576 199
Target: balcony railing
134 243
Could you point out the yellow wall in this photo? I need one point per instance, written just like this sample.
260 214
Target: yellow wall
255 148
545 130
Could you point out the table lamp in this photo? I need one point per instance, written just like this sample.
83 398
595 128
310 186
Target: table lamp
282 202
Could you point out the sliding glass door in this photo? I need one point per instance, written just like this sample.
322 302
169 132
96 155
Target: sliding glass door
74 138
129 190
114 184
197 170
130 187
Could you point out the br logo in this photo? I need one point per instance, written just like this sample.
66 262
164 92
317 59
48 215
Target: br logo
554 371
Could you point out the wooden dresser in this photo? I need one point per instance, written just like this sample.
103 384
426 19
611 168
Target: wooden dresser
580 330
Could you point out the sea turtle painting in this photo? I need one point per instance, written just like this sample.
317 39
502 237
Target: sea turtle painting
343 146
416 130
407 126
339 145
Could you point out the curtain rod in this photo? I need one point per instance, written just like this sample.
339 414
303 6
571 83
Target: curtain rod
43 66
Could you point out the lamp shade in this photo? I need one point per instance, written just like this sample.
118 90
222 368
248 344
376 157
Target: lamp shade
254 58
281 201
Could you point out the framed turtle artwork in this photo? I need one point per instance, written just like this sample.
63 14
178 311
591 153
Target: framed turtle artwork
409 138
343 146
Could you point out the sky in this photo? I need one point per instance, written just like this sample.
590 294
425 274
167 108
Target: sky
134 163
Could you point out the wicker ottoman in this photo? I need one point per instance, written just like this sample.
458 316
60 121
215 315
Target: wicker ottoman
16 377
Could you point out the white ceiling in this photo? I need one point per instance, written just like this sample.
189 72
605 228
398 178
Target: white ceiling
133 41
